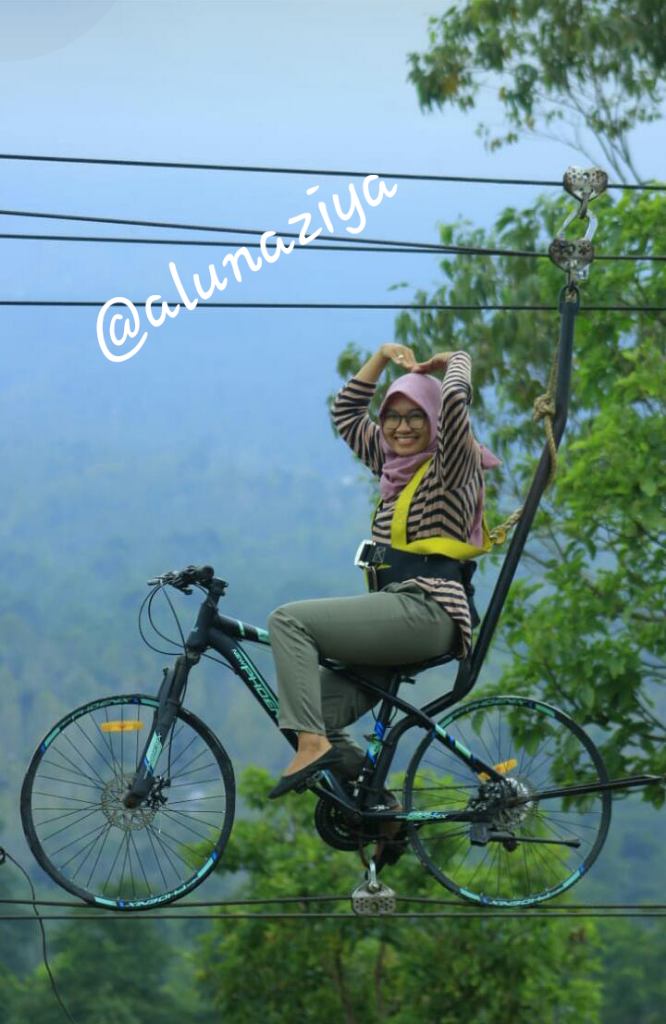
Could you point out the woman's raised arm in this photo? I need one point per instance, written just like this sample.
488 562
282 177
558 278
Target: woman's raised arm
350 408
401 355
457 450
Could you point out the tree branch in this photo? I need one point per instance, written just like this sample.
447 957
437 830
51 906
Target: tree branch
335 971
379 970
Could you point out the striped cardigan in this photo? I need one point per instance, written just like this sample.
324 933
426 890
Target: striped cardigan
445 500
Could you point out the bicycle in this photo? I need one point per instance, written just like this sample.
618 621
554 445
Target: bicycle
507 825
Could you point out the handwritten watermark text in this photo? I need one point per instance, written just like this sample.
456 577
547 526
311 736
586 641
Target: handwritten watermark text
116 327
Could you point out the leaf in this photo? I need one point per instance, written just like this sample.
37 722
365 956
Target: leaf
649 487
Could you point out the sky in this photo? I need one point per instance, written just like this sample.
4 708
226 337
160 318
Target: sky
321 85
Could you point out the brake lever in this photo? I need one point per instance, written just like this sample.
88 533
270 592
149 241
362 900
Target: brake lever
167 577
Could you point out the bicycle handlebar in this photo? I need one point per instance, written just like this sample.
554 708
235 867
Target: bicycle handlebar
182 579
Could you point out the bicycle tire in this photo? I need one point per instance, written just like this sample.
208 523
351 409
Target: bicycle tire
524 721
88 783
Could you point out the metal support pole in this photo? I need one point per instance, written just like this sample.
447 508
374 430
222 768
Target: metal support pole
569 306
574 258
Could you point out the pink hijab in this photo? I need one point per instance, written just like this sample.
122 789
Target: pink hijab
397 471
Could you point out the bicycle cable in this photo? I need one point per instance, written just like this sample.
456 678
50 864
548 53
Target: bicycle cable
149 598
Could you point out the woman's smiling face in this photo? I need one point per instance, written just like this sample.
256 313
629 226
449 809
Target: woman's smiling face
405 426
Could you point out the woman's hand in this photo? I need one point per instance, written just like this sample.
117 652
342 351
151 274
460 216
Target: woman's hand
401 355
438 363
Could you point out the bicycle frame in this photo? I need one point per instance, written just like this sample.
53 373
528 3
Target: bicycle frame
224 635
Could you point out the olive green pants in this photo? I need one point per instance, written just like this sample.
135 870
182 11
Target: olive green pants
400 625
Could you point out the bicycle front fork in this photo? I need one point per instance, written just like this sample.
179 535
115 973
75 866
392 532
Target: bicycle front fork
169 697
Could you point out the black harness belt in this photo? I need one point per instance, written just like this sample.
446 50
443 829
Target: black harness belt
384 564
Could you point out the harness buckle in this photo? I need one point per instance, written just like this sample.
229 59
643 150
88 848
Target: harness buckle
369 554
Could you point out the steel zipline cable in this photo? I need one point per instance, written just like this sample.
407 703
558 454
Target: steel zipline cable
581 910
300 170
451 307
393 247
350 244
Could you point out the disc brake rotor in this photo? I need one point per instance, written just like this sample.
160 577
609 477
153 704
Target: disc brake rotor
130 820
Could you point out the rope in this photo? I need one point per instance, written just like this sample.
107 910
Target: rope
544 409
297 170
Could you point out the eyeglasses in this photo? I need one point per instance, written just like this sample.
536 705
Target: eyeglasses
414 419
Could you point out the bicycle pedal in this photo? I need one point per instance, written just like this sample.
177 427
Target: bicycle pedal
373 899
318 778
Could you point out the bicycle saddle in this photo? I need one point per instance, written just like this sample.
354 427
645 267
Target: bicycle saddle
403 672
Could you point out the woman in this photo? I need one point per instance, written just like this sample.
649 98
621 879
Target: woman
407 622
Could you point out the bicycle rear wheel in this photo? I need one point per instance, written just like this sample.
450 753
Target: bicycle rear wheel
90 843
535 747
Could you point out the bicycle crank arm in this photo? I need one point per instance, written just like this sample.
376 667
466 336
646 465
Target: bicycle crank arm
593 787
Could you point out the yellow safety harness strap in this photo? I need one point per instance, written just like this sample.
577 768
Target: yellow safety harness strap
429 545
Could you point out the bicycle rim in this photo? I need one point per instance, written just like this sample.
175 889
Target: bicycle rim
535 747
89 843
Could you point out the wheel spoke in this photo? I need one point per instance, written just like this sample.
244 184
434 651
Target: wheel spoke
99 854
98 832
176 815
83 758
75 769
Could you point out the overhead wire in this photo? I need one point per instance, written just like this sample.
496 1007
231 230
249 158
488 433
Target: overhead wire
452 307
351 244
392 247
469 915
210 242
221 229
469 910
246 168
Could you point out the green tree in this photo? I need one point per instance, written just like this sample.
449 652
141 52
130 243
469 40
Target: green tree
634 981
585 629
402 971
558 66
113 971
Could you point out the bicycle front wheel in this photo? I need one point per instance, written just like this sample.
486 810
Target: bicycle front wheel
92 845
534 849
